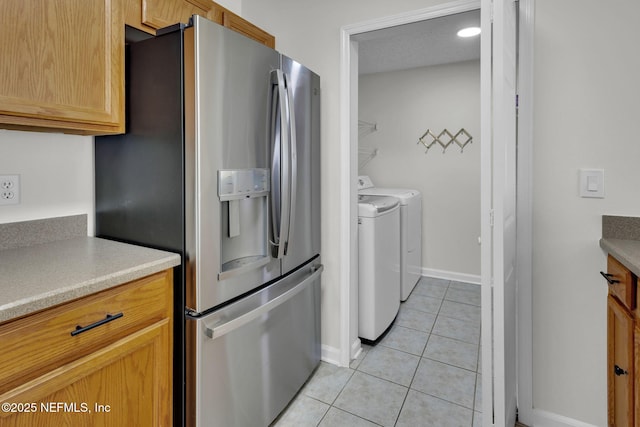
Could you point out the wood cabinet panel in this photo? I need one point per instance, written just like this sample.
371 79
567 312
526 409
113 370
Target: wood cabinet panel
149 15
141 303
62 65
236 23
118 373
625 286
130 378
620 359
636 364
163 13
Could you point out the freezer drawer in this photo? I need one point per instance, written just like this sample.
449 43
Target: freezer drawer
253 356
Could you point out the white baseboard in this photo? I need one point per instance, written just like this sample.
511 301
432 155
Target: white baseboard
330 355
549 419
451 275
356 349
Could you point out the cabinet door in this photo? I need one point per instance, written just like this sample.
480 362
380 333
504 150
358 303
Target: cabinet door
127 383
131 306
620 360
636 377
163 13
62 65
244 27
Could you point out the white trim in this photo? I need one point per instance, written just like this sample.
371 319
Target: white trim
412 16
549 419
451 275
486 216
349 147
330 354
356 348
525 210
346 205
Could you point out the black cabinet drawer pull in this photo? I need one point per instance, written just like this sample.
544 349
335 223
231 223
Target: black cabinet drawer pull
609 278
109 318
619 371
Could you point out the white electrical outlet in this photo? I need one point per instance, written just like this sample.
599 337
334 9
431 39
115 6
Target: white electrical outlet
9 190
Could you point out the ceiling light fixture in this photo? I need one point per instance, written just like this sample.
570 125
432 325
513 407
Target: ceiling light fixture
469 32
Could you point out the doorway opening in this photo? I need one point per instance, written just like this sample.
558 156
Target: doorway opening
371 151
349 167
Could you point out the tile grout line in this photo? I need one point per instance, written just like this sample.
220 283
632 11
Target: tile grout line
420 358
421 355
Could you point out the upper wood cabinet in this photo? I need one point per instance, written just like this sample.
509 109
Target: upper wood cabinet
62 61
242 26
62 66
150 15
162 13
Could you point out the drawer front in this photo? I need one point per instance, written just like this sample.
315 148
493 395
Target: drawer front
625 287
43 341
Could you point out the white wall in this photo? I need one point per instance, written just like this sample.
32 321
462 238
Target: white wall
56 175
586 114
234 6
404 104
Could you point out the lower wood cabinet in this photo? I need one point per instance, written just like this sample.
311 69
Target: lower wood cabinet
620 360
116 372
623 346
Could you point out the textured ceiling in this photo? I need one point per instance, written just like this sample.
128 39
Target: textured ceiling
419 44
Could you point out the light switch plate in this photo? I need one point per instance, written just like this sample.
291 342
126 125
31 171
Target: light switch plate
592 183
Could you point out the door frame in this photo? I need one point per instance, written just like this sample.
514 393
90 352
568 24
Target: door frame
524 210
348 275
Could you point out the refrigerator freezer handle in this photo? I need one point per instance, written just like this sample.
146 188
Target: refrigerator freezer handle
219 330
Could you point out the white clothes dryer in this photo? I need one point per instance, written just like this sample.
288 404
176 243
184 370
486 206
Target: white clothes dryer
378 264
410 230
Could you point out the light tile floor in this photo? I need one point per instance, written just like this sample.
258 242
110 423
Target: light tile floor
424 372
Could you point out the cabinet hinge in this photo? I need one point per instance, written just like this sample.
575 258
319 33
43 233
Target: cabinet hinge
491 217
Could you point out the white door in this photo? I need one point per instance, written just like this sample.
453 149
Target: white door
498 156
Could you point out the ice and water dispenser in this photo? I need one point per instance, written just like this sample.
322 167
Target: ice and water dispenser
243 195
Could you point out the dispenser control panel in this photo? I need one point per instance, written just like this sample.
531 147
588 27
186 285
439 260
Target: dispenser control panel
236 184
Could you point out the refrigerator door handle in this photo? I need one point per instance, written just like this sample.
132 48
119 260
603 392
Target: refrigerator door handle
280 171
293 157
235 323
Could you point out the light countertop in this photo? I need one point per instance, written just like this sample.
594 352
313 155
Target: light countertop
40 276
624 250
621 239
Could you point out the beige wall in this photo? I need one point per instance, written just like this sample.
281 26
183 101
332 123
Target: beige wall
404 104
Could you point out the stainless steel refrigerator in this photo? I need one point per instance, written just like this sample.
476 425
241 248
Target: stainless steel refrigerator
220 163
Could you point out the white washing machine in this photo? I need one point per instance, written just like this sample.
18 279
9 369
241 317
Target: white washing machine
378 264
410 230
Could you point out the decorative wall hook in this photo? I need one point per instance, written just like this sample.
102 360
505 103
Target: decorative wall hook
445 139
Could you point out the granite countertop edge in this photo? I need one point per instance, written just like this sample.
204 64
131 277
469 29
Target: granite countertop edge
624 250
101 264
